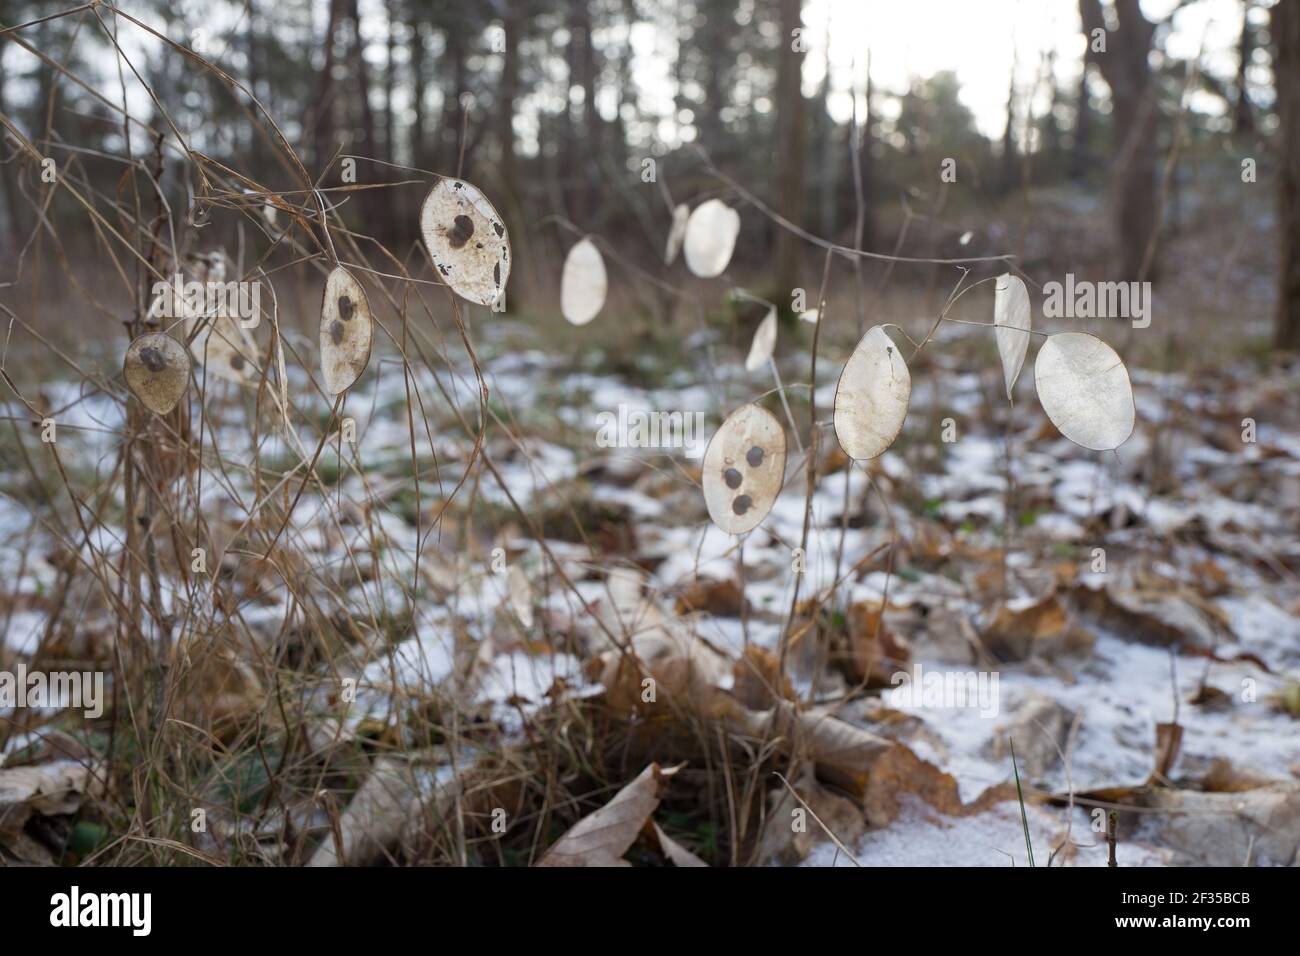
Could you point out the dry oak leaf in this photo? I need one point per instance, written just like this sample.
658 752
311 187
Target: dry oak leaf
757 679
48 789
877 771
1164 614
719 597
601 838
1025 627
781 845
674 851
875 652
1259 827
375 818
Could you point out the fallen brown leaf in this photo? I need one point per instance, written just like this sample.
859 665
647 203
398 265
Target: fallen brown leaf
601 838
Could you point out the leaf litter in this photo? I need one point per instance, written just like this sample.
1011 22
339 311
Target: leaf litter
894 780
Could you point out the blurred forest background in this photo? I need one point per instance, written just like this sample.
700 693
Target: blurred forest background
1123 161
412 620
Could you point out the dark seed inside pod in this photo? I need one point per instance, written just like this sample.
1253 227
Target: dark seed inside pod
336 332
742 504
237 362
733 478
346 308
153 359
754 456
462 227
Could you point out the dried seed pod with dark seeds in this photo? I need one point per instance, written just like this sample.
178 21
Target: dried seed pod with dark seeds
157 370
346 329
224 347
744 468
467 241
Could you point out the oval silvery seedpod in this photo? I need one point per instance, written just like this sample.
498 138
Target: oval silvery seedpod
764 342
872 396
583 283
219 341
346 329
1084 388
157 370
1011 325
711 238
467 240
224 349
681 216
744 468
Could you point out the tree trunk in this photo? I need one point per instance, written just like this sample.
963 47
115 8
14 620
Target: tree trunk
1286 70
1243 117
324 118
418 79
12 203
584 146
711 43
372 201
1082 127
357 63
867 165
1008 176
505 106
512 199
453 113
789 147
390 83
1132 91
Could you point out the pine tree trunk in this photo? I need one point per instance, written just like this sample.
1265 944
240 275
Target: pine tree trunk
1286 34
792 118
324 119
1126 71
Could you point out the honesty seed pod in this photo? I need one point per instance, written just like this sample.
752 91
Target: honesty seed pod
764 342
1084 388
1011 325
681 216
872 396
157 370
583 283
711 238
744 468
346 330
225 350
467 241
